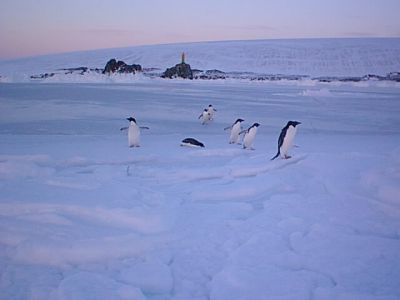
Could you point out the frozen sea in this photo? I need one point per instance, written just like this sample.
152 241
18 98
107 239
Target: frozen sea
83 216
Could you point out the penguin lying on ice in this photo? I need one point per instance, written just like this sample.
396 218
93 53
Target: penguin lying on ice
191 142
285 141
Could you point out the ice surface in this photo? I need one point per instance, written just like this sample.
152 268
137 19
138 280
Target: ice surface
82 216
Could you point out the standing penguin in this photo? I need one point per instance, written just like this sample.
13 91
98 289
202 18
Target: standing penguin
286 138
133 133
211 110
249 136
236 128
205 116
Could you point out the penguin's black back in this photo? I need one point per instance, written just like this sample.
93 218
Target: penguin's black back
193 141
282 136
281 139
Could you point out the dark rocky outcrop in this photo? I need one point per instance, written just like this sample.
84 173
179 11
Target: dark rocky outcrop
114 66
394 76
210 74
42 76
182 70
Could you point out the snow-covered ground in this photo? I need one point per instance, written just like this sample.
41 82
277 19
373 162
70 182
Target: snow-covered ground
82 216
311 57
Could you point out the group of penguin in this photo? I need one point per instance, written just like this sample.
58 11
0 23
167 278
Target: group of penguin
285 141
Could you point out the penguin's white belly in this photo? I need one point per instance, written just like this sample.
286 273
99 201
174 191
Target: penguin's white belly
249 138
235 133
189 145
288 141
133 136
211 113
206 117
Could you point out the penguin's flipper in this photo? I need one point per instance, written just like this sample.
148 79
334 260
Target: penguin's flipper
144 127
124 128
243 131
229 127
200 116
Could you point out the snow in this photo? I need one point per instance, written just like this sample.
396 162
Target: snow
83 216
312 57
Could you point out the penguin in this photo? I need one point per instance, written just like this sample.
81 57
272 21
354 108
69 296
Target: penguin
191 142
133 133
206 117
285 141
249 136
236 128
211 110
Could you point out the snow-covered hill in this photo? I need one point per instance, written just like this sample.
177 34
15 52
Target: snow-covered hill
313 57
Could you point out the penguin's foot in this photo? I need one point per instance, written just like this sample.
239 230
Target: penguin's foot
287 157
248 148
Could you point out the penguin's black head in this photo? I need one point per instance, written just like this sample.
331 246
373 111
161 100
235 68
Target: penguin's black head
130 119
256 124
293 123
239 120
210 105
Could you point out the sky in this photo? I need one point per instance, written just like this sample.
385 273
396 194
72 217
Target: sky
36 27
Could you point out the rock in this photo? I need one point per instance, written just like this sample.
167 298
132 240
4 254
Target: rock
394 76
80 70
182 70
373 77
211 75
43 76
113 66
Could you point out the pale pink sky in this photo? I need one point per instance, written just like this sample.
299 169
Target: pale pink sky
34 27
